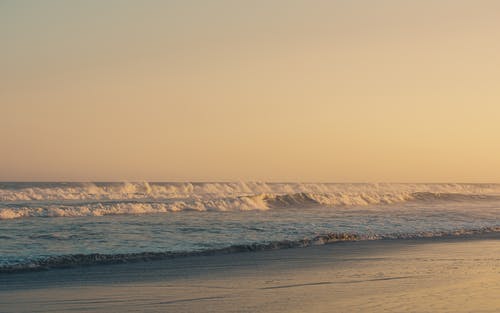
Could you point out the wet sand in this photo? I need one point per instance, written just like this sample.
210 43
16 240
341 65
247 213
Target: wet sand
424 275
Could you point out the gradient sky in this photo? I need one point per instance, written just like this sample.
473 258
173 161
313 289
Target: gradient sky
352 90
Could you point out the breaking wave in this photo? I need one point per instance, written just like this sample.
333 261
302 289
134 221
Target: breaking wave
88 199
78 260
122 191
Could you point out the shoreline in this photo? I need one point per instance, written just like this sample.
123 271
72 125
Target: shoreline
97 259
351 276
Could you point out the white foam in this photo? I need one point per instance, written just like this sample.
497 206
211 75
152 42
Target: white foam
369 192
141 198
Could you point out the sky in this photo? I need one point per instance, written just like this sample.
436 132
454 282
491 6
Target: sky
314 91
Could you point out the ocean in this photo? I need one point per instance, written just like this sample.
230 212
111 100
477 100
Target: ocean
53 225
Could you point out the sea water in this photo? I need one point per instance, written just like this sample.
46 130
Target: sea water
45 225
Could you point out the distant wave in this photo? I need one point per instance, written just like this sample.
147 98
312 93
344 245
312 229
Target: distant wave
162 191
14 210
144 198
78 260
242 203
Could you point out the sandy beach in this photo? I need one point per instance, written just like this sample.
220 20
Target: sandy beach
424 275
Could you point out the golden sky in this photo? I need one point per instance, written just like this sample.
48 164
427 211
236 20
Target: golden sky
356 91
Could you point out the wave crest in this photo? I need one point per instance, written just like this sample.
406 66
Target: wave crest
129 191
142 198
